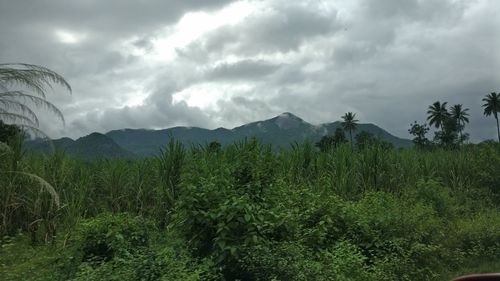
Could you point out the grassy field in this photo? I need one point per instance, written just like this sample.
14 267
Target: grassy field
248 212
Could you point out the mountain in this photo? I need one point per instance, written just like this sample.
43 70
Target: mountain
148 142
89 147
279 131
370 128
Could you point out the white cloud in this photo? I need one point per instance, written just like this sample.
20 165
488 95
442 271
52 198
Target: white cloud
68 37
193 25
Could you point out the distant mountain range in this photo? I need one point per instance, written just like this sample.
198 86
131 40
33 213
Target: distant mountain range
279 131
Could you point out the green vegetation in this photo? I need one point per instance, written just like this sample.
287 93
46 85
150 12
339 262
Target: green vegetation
245 211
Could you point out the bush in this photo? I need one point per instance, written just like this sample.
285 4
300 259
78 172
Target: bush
292 261
107 235
165 265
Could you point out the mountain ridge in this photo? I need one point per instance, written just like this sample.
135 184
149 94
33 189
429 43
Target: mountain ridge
89 147
279 131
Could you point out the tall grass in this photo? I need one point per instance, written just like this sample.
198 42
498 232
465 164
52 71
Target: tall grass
151 186
283 195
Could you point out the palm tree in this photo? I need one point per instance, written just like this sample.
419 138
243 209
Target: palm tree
437 114
23 88
460 115
492 106
349 123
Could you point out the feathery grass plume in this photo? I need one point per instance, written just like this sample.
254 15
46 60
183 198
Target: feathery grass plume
42 183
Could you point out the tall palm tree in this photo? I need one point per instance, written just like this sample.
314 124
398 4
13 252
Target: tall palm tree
492 107
461 116
22 88
437 114
349 123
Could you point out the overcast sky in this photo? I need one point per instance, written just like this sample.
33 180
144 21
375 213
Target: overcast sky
223 63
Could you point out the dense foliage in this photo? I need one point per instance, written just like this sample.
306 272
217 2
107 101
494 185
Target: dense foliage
247 212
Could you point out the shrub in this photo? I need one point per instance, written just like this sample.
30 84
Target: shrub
293 261
107 235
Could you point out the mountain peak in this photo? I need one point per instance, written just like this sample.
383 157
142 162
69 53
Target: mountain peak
92 136
288 115
287 120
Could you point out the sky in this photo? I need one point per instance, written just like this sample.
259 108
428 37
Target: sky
222 63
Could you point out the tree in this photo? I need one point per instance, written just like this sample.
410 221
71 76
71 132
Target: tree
419 131
325 143
330 141
339 137
349 123
448 135
214 147
437 114
492 107
365 139
22 88
460 116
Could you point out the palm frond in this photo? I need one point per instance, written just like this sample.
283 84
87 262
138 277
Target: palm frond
492 104
34 131
15 118
33 77
16 106
8 105
37 101
43 184
437 114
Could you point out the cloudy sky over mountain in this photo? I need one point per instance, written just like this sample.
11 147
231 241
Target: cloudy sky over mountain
213 63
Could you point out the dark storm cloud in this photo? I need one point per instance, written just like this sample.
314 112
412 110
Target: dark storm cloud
103 22
97 68
246 69
411 10
387 60
391 61
281 27
115 17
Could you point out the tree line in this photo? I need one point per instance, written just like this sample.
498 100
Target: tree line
450 123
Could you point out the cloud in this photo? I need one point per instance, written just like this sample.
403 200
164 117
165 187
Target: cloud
158 111
166 63
245 69
274 28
